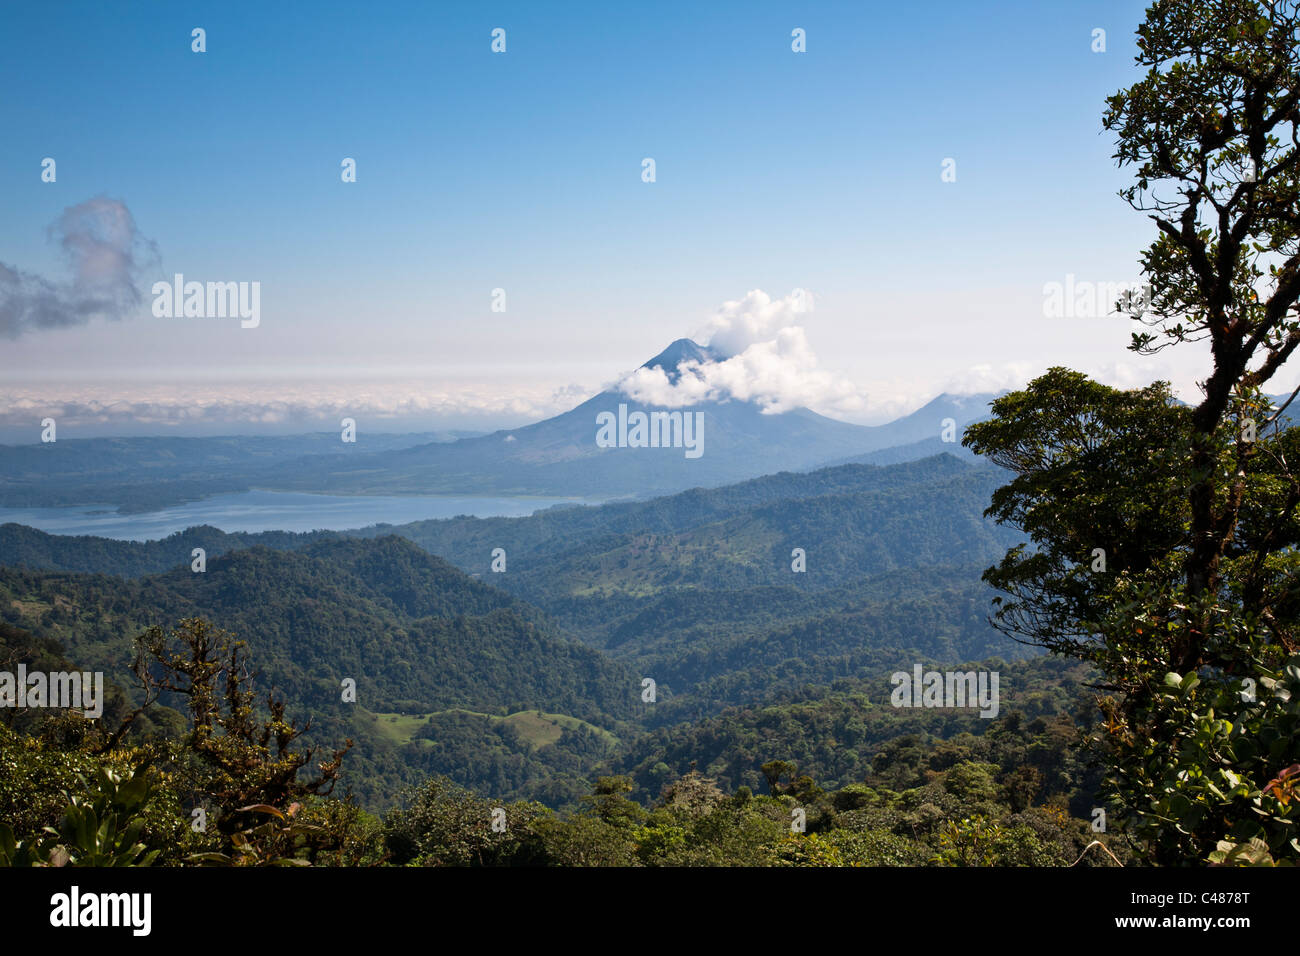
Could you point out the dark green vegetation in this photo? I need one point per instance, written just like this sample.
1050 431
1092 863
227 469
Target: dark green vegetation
848 732
415 635
1162 564
1202 728
712 611
756 665
227 783
142 474
773 685
697 589
24 547
1165 537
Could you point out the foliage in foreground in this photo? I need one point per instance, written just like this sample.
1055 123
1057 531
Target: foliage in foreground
233 788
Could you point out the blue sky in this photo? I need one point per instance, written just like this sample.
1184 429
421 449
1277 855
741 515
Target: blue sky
775 171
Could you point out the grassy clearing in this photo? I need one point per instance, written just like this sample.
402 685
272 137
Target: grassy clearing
538 728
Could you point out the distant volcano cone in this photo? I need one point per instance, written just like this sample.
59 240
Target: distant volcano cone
683 350
561 456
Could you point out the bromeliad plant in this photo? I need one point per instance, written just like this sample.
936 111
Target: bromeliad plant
102 826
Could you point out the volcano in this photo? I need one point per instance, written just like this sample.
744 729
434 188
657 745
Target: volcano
560 456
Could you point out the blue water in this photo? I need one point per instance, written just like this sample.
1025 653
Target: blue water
272 511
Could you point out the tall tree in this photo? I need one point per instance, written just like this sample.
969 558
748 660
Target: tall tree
1211 135
1164 540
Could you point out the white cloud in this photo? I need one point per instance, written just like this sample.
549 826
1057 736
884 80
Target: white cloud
753 320
390 405
765 359
105 253
983 378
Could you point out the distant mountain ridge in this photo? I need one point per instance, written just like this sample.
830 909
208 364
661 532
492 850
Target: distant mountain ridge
560 455
696 590
555 457
468 541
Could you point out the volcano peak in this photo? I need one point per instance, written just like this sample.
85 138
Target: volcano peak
683 350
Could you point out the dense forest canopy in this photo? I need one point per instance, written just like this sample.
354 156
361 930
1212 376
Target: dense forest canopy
704 678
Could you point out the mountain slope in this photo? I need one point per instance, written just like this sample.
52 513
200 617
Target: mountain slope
468 542
561 455
415 634
142 474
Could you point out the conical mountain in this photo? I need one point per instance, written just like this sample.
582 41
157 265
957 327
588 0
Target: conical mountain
560 456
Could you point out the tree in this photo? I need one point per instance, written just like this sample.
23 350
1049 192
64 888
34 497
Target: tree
774 770
1099 488
246 767
1211 133
692 794
1164 539
444 824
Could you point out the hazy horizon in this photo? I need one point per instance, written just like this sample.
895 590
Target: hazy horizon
498 261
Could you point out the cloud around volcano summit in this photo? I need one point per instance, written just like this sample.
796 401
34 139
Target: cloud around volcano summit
757 352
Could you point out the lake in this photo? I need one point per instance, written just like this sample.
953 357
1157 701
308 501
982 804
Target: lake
273 511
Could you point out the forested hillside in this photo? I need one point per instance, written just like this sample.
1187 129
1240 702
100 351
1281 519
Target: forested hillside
950 494
144 473
413 633
24 547
698 592
938 790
